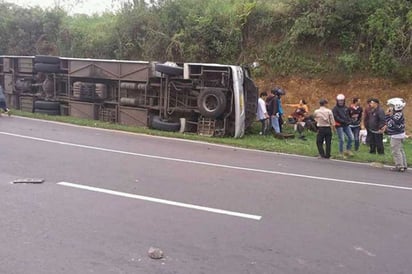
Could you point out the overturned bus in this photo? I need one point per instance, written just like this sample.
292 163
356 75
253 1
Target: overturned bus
208 99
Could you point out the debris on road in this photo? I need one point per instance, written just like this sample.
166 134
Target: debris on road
28 181
377 164
155 253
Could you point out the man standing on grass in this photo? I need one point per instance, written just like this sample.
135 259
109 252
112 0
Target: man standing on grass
376 126
262 113
355 112
342 122
325 123
275 110
395 122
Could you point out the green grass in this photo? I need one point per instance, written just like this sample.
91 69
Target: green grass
251 140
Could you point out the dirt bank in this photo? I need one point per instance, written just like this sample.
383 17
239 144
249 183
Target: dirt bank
313 89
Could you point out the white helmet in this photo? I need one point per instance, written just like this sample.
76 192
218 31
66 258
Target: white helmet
396 103
340 97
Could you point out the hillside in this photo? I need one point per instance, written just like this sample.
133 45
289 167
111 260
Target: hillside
314 38
313 89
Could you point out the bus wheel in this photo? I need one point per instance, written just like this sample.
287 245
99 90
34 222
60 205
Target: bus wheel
49 68
46 59
211 103
158 123
47 105
47 111
169 70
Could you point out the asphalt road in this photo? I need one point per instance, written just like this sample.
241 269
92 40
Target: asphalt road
109 196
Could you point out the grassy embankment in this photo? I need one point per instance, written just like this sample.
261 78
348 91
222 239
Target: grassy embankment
251 140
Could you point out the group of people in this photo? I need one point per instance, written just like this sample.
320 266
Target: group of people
347 121
270 111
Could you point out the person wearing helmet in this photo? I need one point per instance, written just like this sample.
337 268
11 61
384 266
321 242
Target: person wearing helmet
342 122
395 128
376 126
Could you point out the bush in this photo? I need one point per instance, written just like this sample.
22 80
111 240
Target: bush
350 62
382 62
402 74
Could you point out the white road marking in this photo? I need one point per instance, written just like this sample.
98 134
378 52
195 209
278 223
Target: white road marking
361 249
162 201
177 139
315 178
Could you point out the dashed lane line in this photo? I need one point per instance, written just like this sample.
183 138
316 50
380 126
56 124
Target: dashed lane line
162 201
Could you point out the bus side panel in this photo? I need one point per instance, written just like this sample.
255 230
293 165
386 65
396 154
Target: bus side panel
109 70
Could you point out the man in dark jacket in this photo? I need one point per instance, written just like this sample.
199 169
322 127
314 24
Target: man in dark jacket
342 122
376 126
274 109
355 112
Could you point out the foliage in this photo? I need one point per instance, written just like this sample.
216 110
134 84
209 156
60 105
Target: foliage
87 36
21 30
287 36
389 28
403 74
349 62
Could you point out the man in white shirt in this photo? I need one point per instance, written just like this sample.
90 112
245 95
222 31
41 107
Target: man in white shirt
262 114
326 124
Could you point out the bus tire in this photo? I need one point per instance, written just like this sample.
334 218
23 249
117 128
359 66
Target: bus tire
47 111
211 103
160 124
169 70
46 59
48 68
47 105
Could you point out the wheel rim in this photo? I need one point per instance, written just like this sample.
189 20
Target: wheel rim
211 103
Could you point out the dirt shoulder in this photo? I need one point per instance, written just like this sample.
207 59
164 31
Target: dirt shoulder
313 89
